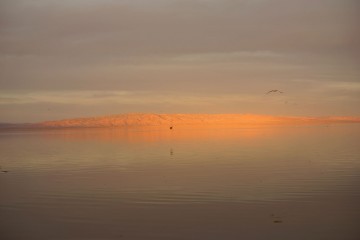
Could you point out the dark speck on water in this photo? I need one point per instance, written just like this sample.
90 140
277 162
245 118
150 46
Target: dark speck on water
3 171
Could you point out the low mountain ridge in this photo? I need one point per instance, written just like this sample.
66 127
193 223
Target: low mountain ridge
135 120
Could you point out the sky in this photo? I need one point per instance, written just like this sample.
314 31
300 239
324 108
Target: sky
81 58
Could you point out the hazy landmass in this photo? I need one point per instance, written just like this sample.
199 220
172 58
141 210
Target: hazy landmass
172 120
17 125
169 120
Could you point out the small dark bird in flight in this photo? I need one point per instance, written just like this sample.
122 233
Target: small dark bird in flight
274 91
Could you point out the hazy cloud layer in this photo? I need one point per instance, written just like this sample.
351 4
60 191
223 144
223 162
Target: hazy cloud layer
161 53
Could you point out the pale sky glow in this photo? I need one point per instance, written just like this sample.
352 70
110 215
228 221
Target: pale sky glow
64 59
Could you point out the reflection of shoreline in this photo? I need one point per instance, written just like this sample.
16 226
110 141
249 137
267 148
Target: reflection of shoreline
153 135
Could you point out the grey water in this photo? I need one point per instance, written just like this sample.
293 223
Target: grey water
294 182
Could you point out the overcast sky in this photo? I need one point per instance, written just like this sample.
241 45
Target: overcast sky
78 58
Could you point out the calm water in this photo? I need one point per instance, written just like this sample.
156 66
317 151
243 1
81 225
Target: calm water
255 183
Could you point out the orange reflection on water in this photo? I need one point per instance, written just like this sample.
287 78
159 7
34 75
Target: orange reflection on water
157 134
146 128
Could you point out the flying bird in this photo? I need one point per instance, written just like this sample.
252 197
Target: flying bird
274 91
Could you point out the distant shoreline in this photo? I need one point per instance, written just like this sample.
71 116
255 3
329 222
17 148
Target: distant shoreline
174 120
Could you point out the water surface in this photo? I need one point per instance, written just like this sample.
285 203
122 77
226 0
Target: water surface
297 182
